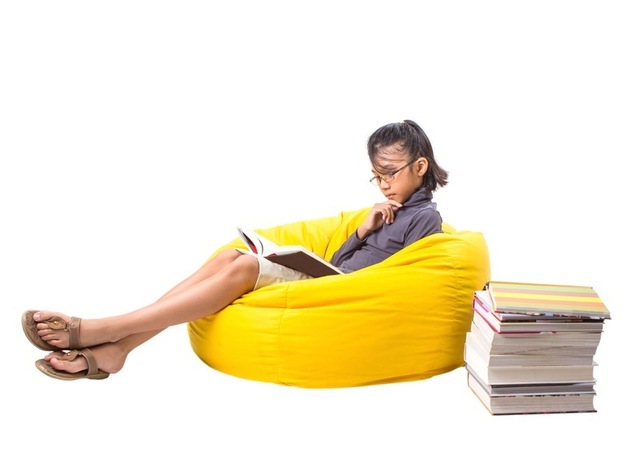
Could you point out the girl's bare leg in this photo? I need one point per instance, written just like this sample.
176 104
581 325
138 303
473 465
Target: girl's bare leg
219 282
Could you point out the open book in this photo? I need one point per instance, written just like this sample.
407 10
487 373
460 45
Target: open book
296 257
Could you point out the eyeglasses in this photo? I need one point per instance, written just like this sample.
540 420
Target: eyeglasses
388 177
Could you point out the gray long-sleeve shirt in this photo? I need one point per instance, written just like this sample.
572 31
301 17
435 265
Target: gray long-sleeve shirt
417 218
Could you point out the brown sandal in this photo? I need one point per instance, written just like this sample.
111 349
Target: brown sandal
29 326
92 372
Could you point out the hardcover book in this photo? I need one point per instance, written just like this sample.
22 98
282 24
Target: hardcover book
537 399
537 299
295 257
519 374
510 322
539 343
525 358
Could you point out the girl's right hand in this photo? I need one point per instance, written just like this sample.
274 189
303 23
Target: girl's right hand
380 214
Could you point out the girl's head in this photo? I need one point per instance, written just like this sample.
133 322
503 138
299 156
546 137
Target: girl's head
404 148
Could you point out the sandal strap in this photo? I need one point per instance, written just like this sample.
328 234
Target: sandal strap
73 327
92 364
55 323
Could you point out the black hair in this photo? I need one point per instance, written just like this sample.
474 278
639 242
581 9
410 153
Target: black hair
411 139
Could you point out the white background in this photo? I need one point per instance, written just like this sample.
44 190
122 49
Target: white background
135 136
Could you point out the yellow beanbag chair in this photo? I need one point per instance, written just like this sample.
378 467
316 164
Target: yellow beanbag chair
399 320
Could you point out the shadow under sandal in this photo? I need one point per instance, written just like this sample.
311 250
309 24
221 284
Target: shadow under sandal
92 372
29 326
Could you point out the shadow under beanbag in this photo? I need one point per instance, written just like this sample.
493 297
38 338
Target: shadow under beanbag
399 320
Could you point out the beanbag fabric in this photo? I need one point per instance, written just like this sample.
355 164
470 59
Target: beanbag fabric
399 320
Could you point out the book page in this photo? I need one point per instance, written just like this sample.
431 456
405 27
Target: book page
257 243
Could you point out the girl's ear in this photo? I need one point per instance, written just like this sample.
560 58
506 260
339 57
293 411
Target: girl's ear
423 165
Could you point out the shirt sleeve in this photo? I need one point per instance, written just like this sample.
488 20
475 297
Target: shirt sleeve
351 245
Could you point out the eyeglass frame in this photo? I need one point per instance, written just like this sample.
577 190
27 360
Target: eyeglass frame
389 177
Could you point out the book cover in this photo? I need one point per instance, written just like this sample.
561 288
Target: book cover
517 374
482 305
545 399
295 257
536 389
546 299
540 343
528 358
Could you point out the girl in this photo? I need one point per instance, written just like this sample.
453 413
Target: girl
403 167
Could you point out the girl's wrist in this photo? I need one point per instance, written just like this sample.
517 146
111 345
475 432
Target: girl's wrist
361 233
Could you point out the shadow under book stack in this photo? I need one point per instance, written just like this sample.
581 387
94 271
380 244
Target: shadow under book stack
531 347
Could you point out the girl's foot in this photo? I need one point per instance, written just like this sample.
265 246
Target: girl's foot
108 357
63 332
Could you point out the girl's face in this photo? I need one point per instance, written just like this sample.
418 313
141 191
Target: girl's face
397 176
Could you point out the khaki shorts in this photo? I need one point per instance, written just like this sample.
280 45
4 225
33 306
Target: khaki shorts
270 273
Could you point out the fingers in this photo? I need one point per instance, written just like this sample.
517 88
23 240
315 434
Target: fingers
387 210
380 214
388 214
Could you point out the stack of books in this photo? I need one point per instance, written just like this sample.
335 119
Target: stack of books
531 347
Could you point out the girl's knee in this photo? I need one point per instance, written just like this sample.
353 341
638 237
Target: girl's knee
236 266
245 271
222 258
229 254
247 264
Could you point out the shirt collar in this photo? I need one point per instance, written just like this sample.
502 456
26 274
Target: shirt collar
420 196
